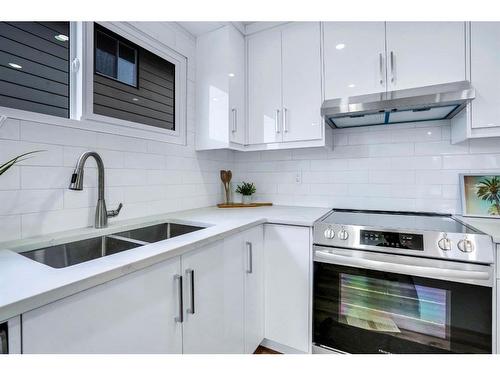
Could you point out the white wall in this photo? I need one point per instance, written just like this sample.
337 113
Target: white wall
399 167
149 177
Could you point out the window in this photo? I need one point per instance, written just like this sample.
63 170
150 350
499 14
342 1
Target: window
132 83
115 59
34 67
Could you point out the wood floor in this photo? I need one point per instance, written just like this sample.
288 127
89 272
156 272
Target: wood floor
264 350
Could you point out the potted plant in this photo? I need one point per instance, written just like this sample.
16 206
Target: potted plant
246 189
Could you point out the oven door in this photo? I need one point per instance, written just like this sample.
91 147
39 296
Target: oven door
367 302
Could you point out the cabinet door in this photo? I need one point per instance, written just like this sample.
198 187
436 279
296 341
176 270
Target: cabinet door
264 87
354 58
214 298
424 53
254 288
236 76
132 314
301 66
287 260
485 73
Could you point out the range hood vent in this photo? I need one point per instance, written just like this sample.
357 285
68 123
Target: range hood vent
427 103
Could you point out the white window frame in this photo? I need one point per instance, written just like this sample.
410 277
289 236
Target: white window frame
81 88
125 127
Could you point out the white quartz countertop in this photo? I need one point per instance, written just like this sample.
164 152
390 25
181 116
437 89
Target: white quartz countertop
486 225
26 284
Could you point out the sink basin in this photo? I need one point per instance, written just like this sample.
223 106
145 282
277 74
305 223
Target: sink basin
71 253
159 232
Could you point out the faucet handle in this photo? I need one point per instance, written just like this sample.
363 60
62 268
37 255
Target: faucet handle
113 213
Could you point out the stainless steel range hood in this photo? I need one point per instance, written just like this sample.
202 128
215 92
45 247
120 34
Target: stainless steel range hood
427 103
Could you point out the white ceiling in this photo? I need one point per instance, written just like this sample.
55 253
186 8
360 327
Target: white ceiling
198 28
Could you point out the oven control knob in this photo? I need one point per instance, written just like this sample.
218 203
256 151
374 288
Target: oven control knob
329 233
343 234
465 245
444 243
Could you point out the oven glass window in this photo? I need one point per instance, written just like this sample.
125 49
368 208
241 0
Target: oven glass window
421 313
358 310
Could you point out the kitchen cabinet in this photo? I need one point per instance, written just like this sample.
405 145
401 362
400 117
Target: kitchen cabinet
220 89
253 242
264 87
371 57
135 313
214 299
354 58
10 336
224 283
424 53
287 267
485 74
284 86
481 118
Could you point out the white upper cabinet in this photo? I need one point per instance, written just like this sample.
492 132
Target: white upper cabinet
220 89
424 53
301 74
354 58
284 86
485 74
264 87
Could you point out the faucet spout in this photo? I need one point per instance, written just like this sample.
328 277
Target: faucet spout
101 213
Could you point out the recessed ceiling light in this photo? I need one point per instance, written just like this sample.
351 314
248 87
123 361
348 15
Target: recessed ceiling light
351 85
429 133
231 75
340 46
15 66
135 99
62 38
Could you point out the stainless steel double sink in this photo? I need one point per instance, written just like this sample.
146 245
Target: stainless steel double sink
71 253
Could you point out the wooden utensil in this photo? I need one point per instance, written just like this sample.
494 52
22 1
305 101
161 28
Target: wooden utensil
226 177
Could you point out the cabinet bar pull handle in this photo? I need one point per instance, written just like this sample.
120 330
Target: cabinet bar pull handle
285 124
277 121
180 312
249 257
235 119
392 66
190 276
381 67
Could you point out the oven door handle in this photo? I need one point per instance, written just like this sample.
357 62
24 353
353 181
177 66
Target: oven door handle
430 272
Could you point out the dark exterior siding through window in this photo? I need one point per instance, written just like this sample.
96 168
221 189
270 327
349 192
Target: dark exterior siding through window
131 83
34 67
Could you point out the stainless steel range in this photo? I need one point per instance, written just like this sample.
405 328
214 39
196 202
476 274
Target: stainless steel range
401 282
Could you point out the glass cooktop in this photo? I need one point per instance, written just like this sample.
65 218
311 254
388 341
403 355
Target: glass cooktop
416 221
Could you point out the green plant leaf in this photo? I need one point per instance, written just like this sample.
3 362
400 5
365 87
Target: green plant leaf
7 165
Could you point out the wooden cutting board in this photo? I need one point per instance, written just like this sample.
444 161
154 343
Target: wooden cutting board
241 205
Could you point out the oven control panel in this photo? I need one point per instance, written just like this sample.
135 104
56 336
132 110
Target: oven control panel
409 241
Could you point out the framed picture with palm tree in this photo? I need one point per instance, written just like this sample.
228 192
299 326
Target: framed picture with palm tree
480 195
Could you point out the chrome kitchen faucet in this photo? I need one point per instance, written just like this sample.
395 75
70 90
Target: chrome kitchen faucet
101 214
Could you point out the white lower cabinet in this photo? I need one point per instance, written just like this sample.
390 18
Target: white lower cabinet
287 267
214 299
254 287
132 314
221 310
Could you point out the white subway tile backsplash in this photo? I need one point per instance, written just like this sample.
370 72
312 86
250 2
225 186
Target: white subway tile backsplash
10 228
401 167
57 135
9 129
